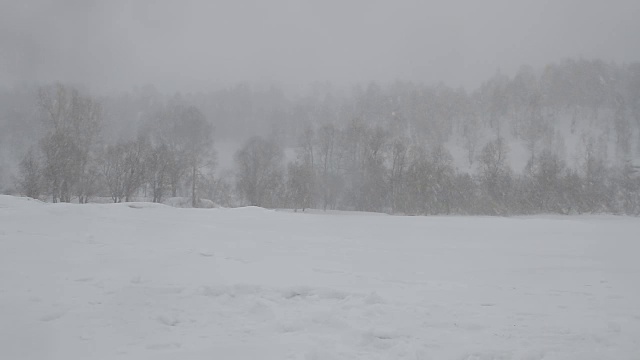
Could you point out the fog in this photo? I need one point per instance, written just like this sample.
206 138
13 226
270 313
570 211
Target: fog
404 107
198 44
501 137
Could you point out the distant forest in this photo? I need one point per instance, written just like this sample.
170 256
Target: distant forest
564 139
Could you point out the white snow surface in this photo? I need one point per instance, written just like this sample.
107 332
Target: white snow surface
146 281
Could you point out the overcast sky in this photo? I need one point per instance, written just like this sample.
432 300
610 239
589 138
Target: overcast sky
194 44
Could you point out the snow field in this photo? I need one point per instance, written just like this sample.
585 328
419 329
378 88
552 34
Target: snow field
146 281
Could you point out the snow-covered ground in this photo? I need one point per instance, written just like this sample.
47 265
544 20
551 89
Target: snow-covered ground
144 281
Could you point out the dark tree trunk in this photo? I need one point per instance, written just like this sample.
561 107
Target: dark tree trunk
193 186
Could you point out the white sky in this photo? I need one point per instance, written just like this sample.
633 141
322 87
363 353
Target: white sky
195 44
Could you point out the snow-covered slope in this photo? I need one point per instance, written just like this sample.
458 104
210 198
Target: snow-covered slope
144 281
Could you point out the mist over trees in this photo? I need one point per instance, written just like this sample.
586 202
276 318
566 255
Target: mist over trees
563 139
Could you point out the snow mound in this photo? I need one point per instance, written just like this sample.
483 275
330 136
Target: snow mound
184 202
8 201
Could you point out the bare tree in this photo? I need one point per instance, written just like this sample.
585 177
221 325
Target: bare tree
157 164
199 146
397 172
495 175
623 131
188 140
219 188
326 140
259 174
73 126
300 184
534 129
471 138
123 168
301 174
30 178
442 179
545 173
595 195
372 194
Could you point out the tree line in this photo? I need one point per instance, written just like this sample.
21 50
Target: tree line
72 161
379 148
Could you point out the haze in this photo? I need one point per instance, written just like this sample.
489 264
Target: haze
198 44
